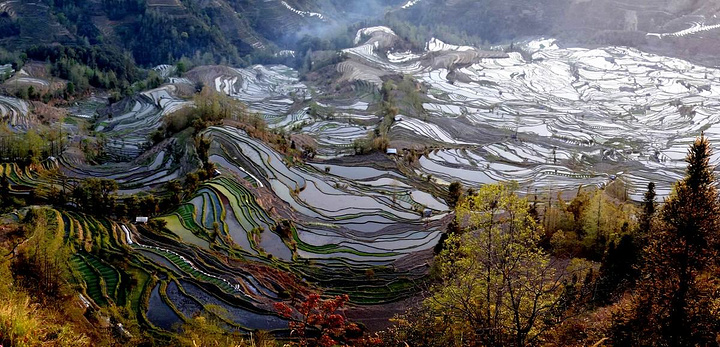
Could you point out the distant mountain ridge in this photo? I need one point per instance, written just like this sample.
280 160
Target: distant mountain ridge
156 31
160 31
636 23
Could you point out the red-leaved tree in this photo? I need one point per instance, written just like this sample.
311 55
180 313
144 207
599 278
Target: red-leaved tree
318 322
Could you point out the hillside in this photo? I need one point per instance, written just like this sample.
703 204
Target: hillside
216 31
681 28
247 31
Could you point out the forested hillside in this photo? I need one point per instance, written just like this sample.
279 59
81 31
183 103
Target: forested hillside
522 275
162 31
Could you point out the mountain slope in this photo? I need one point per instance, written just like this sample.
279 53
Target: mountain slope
687 24
157 31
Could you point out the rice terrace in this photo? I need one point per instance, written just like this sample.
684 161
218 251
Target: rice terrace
359 173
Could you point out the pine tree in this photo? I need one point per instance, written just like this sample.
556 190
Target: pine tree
675 304
5 189
617 270
649 205
455 192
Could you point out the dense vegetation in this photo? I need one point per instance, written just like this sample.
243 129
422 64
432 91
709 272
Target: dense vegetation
32 147
98 66
205 34
520 279
169 36
34 291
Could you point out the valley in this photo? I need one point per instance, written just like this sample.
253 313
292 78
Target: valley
564 119
259 172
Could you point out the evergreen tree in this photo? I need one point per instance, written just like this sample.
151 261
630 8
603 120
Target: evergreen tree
455 193
175 189
5 189
676 303
149 205
617 271
648 208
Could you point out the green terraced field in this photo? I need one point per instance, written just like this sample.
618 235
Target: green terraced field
187 217
92 280
187 268
109 274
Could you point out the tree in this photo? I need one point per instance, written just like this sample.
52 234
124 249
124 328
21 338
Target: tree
497 286
96 195
30 315
191 183
202 145
5 189
216 230
70 89
212 106
618 270
149 205
32 146
31 93
320 322
42 265
676 303
175 189
182 66
602 221
455 193
22 93
133 205
648 212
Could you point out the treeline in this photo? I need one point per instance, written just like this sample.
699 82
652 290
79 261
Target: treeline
210 107
153 37
306 46
156 39
118 9
496 22
596 270
85 66
378 140
77 19
32 147
15 58
99 197
417 35
96 196
8 27
586 225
